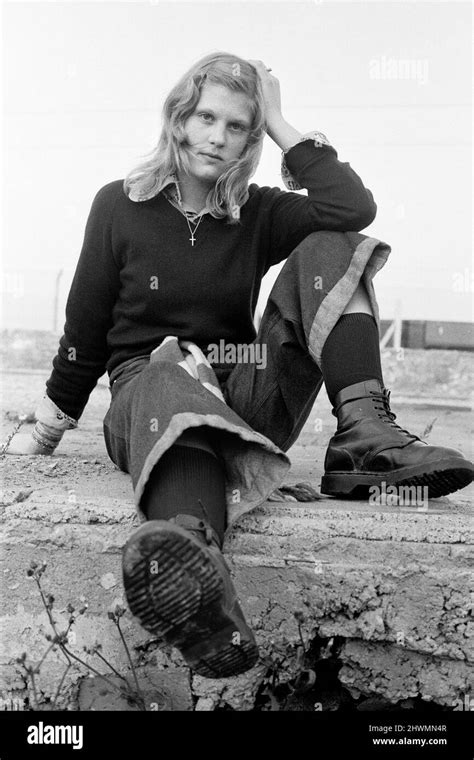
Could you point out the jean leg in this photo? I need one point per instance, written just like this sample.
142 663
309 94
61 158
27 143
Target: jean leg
316 283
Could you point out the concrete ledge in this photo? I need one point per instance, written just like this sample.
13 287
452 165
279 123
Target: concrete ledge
391 583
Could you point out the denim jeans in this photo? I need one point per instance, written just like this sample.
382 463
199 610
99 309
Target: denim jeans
267 401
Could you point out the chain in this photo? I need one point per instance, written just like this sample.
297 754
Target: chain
177 195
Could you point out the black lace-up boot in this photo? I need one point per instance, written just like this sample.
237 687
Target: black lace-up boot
370 449
178 585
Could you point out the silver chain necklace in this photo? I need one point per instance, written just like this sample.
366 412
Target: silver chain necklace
185 214
192 238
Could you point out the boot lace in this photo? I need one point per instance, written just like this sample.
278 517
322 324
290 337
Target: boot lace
209 533
386 413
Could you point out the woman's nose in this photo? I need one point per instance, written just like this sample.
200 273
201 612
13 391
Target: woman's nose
217 134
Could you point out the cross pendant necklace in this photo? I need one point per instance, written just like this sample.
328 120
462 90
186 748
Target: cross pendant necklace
192 239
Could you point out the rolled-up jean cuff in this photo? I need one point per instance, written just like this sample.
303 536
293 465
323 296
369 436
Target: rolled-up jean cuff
369 257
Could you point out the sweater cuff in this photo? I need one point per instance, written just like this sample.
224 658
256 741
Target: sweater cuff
49 413
319 139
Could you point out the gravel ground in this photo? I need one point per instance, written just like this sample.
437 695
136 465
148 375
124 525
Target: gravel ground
81 464
81 461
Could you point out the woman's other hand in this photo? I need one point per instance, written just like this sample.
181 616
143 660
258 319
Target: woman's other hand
24 444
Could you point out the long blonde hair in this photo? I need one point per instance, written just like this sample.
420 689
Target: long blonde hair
229 192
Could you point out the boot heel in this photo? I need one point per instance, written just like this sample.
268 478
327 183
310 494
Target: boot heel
344 486
225 651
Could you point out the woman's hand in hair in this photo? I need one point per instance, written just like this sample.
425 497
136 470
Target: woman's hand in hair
271 93
278 129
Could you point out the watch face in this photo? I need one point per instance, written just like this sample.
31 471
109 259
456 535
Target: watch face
319 139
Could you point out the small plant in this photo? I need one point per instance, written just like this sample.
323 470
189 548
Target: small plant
278 693
22 418
306 678
428 428
61 640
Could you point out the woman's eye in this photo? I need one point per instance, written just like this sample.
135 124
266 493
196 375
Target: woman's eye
235 126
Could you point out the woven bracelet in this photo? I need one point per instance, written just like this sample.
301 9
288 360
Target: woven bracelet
46 436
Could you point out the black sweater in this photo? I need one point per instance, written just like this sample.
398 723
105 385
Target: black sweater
139 279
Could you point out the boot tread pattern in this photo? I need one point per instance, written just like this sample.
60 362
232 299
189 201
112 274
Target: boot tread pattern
182 603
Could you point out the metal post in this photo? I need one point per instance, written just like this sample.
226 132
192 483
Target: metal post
56 300
397 331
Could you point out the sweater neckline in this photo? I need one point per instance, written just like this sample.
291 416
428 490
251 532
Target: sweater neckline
202 229
193 216
173 195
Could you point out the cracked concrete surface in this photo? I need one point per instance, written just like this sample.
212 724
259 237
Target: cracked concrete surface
393 583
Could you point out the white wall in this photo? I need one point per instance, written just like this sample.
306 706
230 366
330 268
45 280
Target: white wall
83 87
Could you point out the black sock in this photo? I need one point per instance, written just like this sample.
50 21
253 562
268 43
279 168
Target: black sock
351 353
184 475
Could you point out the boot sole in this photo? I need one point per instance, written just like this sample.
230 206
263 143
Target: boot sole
440 478
183 602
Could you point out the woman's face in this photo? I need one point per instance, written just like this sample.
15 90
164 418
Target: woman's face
219 125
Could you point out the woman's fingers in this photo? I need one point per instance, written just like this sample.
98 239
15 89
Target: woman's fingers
256 63
262 69
23 444
270 88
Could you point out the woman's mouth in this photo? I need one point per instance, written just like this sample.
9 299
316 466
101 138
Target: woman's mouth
211 157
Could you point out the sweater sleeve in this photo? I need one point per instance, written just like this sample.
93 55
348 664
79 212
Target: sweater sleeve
337 199
83 352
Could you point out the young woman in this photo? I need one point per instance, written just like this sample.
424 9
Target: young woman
170 269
